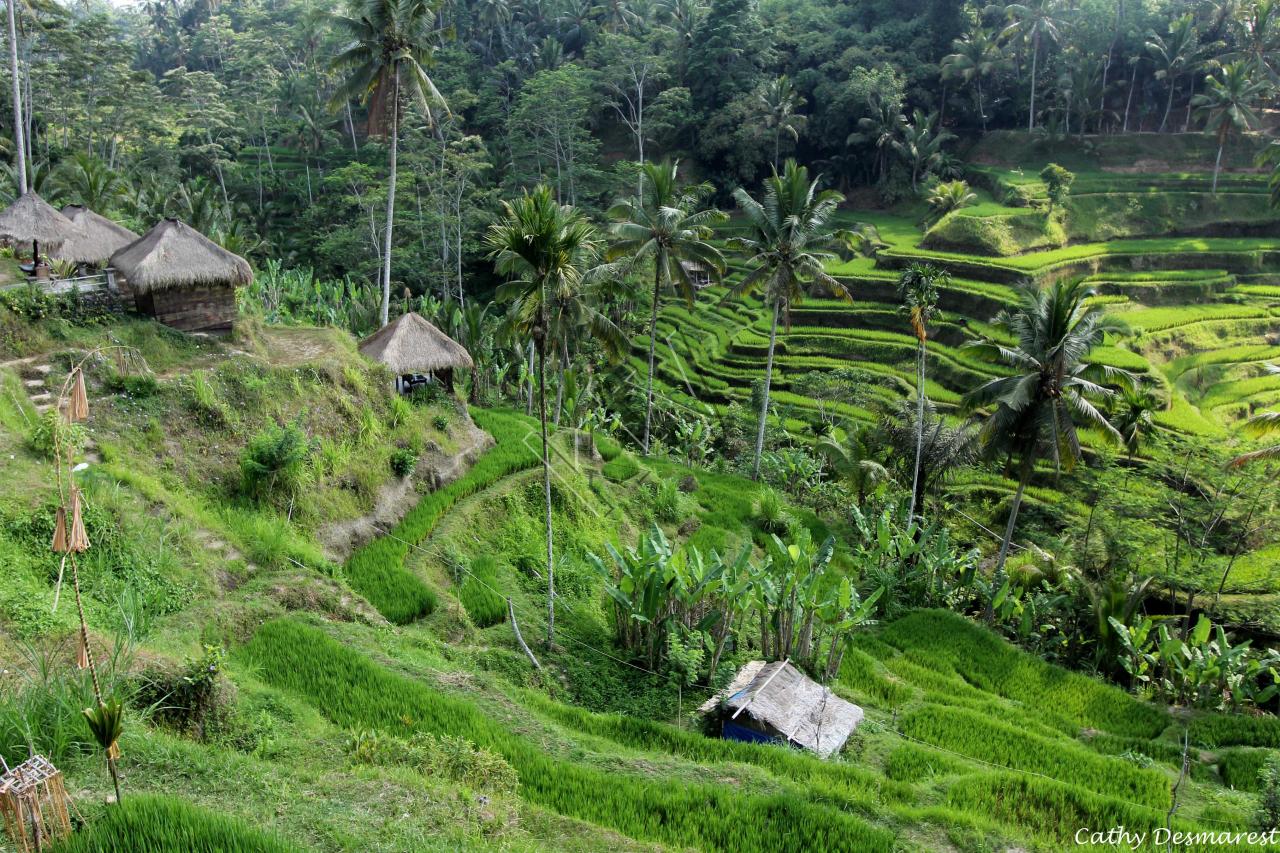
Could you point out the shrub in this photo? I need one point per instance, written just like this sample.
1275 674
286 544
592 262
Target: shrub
441 423
403 461
274 463
667 503
132 384
195 699
769 513
453 758
170 825
620 469
607 447
353 691
478 593
52 432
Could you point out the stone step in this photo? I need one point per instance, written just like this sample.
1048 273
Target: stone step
33 383
43 398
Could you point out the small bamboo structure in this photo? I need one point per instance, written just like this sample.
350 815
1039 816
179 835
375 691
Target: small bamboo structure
35 805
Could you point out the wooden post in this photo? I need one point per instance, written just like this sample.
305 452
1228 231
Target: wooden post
511 611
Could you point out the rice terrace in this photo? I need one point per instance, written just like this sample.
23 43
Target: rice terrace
716 425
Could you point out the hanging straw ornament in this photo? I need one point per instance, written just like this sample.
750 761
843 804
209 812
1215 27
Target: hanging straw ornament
77 539
60 532
78 405
82 654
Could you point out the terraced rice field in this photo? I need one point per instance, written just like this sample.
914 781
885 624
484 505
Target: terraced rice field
1203 314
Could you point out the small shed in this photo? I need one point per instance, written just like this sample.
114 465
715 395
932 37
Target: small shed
182 278
776 702
100 238
31 219
698 272
417 352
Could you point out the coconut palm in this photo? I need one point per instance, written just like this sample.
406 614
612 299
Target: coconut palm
946 196
786 248
1263 424
1037 410
918 290
1034 21
781 104
977 56
388 49
20 147
945 450
84 179
1257 36
667 226
880 129
854 460
546 251
920 144
1173 55
1227 105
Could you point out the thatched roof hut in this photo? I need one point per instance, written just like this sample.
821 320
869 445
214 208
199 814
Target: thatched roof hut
100 238
411 345
777 702
31 219
182 278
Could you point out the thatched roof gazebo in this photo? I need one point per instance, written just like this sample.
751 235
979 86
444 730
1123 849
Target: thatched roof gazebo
412 347
182 278
776 702
33 220
98 240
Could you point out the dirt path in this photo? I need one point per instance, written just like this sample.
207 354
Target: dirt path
396 498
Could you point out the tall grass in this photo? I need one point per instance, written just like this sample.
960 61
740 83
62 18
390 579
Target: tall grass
353 691
377 570
979 736
986 661
155 824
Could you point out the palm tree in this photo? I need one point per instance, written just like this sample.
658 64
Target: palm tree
388 48
947 196
946 449
1227 105
785 247
546 251
1133 416
1033 21
20 146
1257 36
854 460
920 144
1262 424
782 104
977 56
1036 410
667 226
1172 56
881 128
918 289
86 180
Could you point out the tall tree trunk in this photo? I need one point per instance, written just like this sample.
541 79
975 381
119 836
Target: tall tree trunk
1035 58
764 405
915 476
546 491
564 365
391 194
351 126
19 143
653 333
1191 94
1217 163
528 408
1128 102
998 577
982 110
1168 105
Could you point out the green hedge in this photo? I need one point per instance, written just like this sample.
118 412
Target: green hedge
153 824
353 691
377 570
